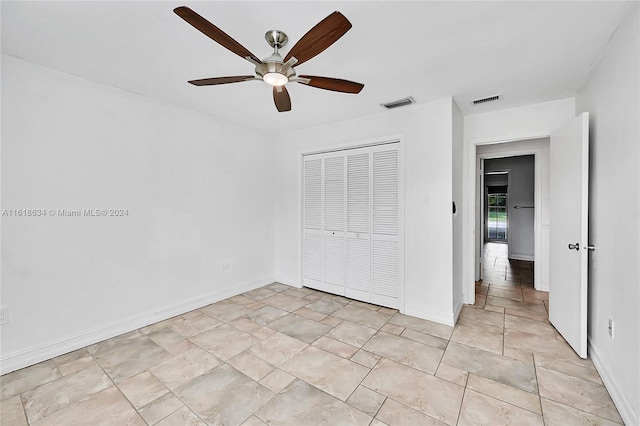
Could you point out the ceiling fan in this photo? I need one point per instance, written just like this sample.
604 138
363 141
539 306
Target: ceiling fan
273 69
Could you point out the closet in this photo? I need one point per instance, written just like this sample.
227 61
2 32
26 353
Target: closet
351 219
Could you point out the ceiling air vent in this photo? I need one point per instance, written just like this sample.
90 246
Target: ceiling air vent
399 103
485 100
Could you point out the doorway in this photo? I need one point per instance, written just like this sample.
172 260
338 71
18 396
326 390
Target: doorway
532 247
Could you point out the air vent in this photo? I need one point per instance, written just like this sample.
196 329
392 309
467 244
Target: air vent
399 103
485 100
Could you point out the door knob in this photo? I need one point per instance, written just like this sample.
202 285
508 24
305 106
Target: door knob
575 246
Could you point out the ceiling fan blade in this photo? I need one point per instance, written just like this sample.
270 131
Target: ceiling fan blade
320 37
281 98
221 80
335 84
214 33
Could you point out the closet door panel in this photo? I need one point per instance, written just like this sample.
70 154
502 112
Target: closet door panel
385 216
312 222
334 223
358 285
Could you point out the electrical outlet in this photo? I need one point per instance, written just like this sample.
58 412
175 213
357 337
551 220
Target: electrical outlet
4 314
611 328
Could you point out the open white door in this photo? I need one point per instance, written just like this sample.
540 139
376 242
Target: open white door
569 191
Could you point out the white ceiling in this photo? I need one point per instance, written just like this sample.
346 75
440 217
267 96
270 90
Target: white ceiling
529 51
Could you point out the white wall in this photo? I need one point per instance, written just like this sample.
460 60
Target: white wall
520 194
523 125
198 191
427 136
612 99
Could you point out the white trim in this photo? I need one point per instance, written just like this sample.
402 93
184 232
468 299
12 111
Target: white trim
364 143
36 354
624 406
456 312
472 211
446 318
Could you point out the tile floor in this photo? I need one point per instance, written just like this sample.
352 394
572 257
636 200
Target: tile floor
284 356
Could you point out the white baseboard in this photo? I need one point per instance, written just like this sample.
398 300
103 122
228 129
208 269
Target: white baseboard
456 312
628 414
289 282
446 318
521 256
34 355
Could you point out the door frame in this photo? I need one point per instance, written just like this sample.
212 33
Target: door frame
484 209
475 235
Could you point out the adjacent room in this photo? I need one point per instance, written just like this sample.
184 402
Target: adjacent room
350 212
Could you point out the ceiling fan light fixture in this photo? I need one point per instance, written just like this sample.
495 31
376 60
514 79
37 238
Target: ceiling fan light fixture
275 79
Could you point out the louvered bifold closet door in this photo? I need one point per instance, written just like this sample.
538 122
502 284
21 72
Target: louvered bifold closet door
334 223
385 281
358 285
312 222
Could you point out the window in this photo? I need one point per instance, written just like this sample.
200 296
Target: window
497 216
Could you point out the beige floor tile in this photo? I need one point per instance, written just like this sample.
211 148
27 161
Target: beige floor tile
423 326
452 374
108 407
486 337
277 380
509 394
300 328
335 347
195 325
160 408
296 292
560 415
285 302
326 371
426 339
568 368
475 316
278 348
45 399
245 324
362 316
253 421
225 341
161 324
131 358
513 294
494 309
311 314
516 305
577 393
75 361
376 422
241 300
365 358
259 293
392 329
542 328
251 365
502 369
184 367
518 354
389 311
332 321
165 338
395 414
428 394
12 413
182 417
223 396
326 306
479 409
116 341
28 378
278 287
142 389
366 400
180 347
303 404
351 333
552 347
405 351
266 314
539 315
